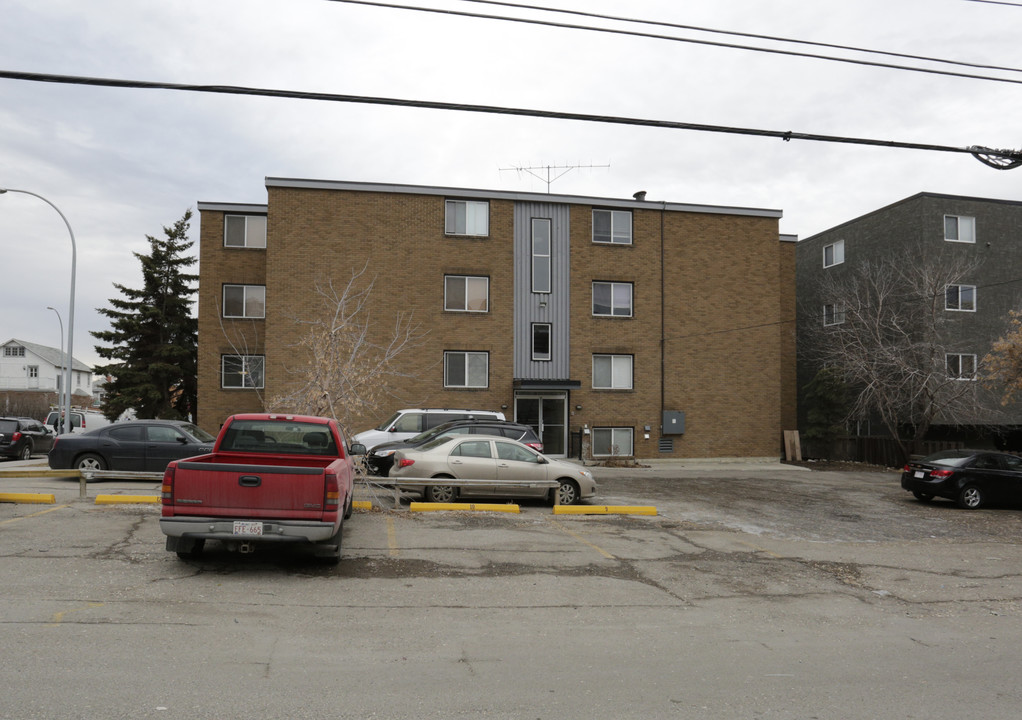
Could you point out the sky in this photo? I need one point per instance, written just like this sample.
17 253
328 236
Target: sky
122 164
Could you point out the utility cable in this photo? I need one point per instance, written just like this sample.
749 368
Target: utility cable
996 158
655 36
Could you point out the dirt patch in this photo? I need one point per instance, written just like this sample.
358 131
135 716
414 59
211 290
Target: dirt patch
841 466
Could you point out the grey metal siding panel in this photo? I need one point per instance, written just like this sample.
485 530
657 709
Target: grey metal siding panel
554 307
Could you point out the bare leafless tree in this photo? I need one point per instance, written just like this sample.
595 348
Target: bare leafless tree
344 364
884 327
1004 361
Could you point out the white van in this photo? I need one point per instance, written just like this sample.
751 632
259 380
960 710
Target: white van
81 421
405 423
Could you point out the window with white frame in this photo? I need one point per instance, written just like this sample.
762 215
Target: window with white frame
242 371
612 372
612 299
610 441
33 371
541 259
960 366
833 314
612 226
14 351
959 228
466 293
541 333
467 217
960 297
834 254
245 231
466 369
245 301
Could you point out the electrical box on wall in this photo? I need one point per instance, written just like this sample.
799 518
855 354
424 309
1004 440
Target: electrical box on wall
673 422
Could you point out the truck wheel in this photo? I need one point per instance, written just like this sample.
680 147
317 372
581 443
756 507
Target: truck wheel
348 507
90 461
190 549
331 549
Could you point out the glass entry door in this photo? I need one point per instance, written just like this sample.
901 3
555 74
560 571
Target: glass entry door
547 415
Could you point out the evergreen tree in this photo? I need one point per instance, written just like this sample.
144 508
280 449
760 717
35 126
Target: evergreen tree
153 340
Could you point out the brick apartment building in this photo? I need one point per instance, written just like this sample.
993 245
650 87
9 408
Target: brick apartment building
634 327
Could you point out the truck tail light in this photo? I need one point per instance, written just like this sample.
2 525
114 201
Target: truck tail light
167 491
333 493
405 462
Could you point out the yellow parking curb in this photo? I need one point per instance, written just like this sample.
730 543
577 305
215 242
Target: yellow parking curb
362 504
126 499
491 507
605 510
42 498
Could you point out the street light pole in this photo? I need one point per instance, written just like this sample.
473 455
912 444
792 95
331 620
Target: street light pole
71 310
62 360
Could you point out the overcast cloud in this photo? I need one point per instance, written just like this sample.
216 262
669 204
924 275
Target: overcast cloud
123 163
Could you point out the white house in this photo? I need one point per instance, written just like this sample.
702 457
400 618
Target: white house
28 366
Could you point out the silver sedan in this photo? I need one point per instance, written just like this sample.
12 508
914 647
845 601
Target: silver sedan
483 457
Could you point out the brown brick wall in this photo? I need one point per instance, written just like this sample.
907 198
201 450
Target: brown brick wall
724 295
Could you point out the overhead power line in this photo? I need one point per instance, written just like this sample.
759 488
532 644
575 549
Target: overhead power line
996 158
674 38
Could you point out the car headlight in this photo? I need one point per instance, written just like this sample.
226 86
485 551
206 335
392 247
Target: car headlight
384 453
585 474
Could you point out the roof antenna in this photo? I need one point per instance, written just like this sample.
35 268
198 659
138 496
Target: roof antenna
553 172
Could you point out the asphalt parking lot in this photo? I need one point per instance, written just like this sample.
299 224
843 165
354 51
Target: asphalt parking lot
755 592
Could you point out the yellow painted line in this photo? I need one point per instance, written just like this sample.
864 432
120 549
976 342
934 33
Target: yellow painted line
392 537
126 499
581 539
604 510
362 504
490 507
58 617
42 498
35 514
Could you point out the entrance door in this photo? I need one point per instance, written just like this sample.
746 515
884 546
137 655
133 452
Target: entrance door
547 415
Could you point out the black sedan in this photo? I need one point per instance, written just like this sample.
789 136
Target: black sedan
972 478
139 445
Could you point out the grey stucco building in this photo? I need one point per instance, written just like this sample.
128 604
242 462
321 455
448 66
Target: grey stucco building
985 235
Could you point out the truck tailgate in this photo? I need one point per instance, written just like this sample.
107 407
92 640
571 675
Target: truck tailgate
249 490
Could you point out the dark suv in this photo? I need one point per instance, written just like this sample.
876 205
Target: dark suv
381 457
20 437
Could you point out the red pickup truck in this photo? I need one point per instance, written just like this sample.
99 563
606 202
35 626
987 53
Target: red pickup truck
270 479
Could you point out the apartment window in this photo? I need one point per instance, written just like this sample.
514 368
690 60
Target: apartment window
245 301
833 314
959 228
612 226
245 231
612 372
834 254
464 293
960 297
467 217
960 366
466 369
14 351
612 299
541 260
242 371
608 441
541 341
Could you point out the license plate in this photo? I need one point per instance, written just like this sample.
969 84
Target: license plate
244 527
920 473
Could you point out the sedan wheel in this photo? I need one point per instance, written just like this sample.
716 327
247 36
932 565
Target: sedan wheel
90 462
26 452
971 497
440 493
567 492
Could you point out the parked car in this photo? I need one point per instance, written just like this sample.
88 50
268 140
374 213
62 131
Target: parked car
482 457
21 437
405 423
139 445
972 478
80 421
381 457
